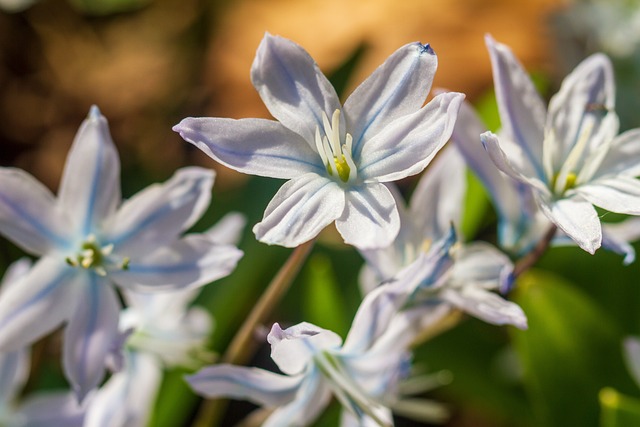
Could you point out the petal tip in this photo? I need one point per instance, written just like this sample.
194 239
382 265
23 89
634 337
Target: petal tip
425 48
94 112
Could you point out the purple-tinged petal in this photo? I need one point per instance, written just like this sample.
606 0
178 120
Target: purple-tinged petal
438 199
127 398
92 327
312 398
253 146
577 218
617 194
370 218
581 116
396 88
406 146
157 215
36 304
292 86
300 209
29 215
522 111
190 262
90 187
623 156
256 385
293 349
632 357
52 409
486 306
616 239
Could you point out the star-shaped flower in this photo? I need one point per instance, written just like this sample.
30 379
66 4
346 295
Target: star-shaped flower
88 241
336 157
569 156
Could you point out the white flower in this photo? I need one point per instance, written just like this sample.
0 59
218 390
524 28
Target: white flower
468 273
51 408
362 373
570 156
336 157
88 240
521 223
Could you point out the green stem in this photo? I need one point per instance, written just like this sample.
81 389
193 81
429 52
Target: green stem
242 345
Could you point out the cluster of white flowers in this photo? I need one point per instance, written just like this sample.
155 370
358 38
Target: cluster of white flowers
544 171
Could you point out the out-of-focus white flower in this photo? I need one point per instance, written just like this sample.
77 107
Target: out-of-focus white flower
336 157
48 409
88 239
570 156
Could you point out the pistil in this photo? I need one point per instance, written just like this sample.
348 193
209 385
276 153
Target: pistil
335 156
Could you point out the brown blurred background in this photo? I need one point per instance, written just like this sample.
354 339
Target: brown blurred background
149 65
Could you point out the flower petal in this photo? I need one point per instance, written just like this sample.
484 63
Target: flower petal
522 112
160 213
300 210
480 264
252 146
257 385
438 198
312 398
406 146
90 187
36 304
493 146
14 371
23 204
581 116
292 86
293 349
190 262
466 138
623 156
127 398
396 88
632 357
52 409
486 305
228 230
615 241
92 327
370 218
617 194
578 219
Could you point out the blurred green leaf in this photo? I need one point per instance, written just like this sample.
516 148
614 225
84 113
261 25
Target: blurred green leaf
476 205
570 352
323 303
618 410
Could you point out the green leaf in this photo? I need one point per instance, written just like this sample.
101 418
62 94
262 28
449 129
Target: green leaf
323 296
618 410
570 352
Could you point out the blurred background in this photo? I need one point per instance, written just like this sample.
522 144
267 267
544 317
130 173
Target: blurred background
149 63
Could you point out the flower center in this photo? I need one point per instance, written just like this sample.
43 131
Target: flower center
335 155
93 256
